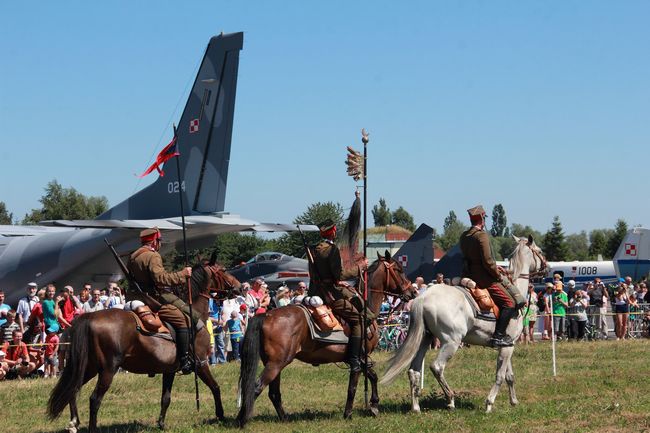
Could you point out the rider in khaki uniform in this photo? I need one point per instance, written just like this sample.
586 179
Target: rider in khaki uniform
327 280
479 265
146 266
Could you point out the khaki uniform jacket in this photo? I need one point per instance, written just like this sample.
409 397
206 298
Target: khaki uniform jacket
478 262
147 268
328 272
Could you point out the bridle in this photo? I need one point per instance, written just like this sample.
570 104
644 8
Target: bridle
542 265
398 290
217 281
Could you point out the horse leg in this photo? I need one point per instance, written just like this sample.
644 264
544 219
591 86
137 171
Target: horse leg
276 397
208 379
374 396
415 372
447 350
510 380
104 381
73 425
165 398
503 359
352 390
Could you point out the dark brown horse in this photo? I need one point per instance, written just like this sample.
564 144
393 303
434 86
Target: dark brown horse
282 335
104 341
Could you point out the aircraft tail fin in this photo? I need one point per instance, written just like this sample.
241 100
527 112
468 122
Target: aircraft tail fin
416 254
633 255
204 136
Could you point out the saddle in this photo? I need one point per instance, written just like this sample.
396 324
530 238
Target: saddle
147 322
481 296
325 326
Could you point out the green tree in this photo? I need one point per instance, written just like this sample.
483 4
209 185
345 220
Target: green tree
620 230
503 247
67 204
403 219
522 231
598 242
381 214
6 218
291 243
451 231
578 246
499 221
555 246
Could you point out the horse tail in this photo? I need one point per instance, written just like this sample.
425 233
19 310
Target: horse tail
411 345
72 377
250 355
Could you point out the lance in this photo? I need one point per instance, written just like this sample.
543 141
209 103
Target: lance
364 140
189 283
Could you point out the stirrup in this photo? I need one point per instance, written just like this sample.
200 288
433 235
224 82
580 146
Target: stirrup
186 365
501 342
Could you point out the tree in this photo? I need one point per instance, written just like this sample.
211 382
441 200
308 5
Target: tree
620 230
291 243
522 231
598 242
5 217
66 204
452 229
499 221
403 219
578 246
381 214
555 245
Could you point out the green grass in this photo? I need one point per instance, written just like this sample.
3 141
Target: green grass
600 387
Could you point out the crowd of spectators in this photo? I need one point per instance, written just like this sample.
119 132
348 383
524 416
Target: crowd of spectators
30 331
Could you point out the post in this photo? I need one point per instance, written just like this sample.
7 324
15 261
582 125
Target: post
364 140
553 338
188 282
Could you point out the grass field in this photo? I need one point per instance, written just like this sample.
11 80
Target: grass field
600 387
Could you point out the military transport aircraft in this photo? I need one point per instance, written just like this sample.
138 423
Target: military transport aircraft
73 252
275 269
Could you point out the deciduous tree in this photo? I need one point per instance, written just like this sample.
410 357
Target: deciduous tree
381 214
66 203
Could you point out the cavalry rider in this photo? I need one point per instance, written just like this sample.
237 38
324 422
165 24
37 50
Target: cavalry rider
479 265
327 280
147 269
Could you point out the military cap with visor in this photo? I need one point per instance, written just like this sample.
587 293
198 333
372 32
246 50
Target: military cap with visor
149 235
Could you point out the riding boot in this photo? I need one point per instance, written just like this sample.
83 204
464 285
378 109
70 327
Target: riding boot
500 339
182 351
354 353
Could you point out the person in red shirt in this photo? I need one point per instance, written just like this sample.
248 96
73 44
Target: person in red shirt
51 359
67 307
17 356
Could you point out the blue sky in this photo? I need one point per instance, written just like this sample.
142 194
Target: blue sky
541 106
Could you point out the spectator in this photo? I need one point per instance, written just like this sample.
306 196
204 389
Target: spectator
622 308
17 357
94 303
51 349
218 356
571 317
440 279
598 307
7 329
579 307
37 312
3 366
84 296
34 338
560 304
50 306
115 298
26 305
282 297
419 281
641 291
236 333
259 292
630 286
547 311
531 315
299 293
67 307
3 308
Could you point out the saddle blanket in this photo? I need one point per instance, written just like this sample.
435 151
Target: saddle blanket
333 337
478 314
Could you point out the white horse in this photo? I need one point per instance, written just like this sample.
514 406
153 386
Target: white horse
445 313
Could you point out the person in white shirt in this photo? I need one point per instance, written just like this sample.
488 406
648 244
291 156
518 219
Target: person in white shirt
25 306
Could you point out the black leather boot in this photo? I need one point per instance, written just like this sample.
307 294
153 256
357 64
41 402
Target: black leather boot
182 351
354 353
500 339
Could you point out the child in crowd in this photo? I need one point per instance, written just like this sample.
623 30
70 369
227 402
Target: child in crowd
51 349
3 366
236 333
7 329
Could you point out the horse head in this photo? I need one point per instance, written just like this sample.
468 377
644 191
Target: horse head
210 278
528 251
393 280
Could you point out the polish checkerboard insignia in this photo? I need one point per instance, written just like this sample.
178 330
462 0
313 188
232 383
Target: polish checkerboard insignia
630 249
194 126
403 260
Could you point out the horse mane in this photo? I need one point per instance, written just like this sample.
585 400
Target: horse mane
199 280
517 260
373 266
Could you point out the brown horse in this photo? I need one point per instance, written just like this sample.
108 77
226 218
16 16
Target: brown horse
104 341
282 335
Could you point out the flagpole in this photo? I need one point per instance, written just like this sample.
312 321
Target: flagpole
189 285
364 139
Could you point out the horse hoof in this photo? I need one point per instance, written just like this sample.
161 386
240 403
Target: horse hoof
514 402
488 408
347 415
161 425
374 411
451 407
71 429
